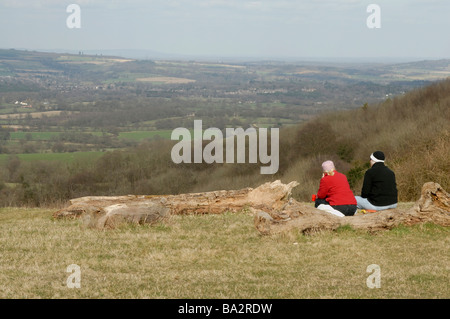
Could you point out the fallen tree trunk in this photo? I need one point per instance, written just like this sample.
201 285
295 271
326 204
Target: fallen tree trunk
274 210
109 211
433 206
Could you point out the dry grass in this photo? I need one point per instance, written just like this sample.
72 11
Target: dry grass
215 256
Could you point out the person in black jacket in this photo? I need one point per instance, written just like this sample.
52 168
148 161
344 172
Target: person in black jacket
379 189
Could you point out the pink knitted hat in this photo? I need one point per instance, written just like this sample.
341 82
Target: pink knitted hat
328 166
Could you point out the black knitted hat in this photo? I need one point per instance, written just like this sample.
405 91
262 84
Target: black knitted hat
377 156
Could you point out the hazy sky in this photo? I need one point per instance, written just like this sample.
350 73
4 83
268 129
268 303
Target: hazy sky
233 28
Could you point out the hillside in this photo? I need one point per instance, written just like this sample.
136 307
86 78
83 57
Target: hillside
412 130
76 125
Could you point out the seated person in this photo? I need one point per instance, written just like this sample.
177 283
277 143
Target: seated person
335 191
379 189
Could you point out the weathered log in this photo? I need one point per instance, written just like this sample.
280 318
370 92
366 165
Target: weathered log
274 210
109 211
433 206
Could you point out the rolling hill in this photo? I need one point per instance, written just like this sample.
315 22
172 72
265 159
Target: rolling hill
338 112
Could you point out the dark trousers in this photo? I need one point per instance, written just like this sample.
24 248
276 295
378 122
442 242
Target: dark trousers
347 210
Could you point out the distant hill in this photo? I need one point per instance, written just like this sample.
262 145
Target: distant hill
17 62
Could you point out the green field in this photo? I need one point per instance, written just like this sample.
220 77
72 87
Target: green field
35 136
215 256
63 157
142 135
133 135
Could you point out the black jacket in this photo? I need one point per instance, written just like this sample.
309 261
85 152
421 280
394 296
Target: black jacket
379 185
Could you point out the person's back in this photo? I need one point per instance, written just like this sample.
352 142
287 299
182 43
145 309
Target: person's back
379 189
336 190
380 186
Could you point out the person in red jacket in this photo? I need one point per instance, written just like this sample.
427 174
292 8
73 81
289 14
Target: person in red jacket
335 191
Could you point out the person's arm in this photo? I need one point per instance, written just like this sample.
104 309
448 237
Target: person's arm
367 185
394 187
323 189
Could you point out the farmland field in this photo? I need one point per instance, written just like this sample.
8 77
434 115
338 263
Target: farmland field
62 157
134 135
141 135
165 80
31 114
33 135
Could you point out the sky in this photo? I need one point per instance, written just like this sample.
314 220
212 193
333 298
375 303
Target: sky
291 29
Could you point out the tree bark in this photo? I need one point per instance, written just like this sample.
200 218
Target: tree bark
109 211
274 210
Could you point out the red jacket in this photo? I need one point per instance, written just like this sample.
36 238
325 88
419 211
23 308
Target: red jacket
336 190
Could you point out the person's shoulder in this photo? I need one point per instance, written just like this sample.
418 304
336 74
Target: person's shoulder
379 167
370 170
328 178
340 174
389 169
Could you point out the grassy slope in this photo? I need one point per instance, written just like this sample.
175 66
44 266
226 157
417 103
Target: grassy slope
215 256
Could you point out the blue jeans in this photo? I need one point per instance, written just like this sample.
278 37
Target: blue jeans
363 203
